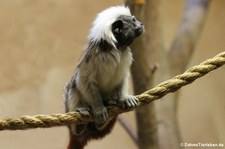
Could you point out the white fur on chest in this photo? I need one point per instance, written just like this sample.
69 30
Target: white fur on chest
114 67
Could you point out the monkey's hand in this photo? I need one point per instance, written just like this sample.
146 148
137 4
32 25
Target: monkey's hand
128 102
100 115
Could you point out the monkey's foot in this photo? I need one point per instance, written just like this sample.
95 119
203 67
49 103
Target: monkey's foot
84 111
100 115
128 102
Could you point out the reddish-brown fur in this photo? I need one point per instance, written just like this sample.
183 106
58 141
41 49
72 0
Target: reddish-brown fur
78 142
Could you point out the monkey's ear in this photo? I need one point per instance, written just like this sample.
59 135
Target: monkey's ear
117 26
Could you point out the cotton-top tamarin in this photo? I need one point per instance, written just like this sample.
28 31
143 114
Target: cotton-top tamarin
102 74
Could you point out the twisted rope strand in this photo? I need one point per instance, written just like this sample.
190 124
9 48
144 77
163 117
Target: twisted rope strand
169 86
181 80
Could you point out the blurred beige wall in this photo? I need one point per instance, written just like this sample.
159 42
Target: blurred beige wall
40 43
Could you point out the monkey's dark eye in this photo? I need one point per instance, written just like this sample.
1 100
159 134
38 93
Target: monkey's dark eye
133 19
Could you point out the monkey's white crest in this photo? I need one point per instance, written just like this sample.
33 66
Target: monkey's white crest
102 26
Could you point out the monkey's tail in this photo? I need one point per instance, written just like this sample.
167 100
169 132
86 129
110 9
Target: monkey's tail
75 142
79 141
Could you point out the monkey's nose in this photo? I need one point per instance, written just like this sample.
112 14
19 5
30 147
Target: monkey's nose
139 30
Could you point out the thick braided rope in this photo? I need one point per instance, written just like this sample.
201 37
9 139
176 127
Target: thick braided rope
169 86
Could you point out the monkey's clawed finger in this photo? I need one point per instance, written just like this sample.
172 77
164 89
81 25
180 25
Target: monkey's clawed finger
129 102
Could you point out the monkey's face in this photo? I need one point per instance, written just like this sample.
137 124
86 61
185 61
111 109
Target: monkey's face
126 29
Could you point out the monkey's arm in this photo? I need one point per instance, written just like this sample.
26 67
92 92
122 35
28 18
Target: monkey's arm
125 100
